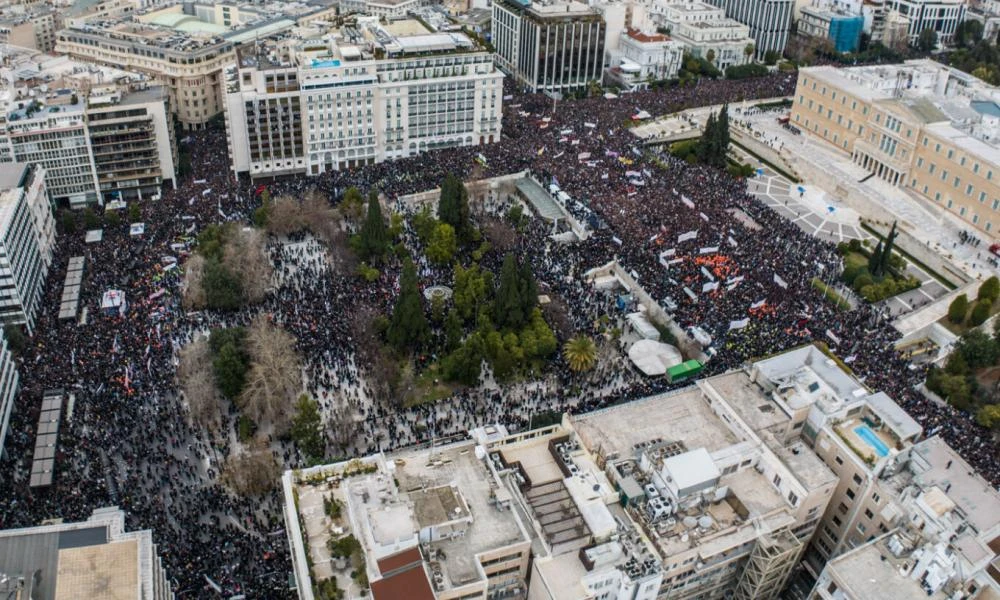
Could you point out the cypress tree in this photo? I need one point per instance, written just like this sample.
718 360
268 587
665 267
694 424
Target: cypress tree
703 149
875 259
722 136
528 290
374 235
887 250
408 327
508 309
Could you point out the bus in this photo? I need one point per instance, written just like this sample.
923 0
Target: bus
684 371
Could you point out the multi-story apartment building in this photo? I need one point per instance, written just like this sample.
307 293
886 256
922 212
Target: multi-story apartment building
920 125
95 558
27 238
645 57
943 16
101 133
431 523
34 29
9 381
183 46
549 47
704 492
705 32
942 543
769 21
842 28
321 104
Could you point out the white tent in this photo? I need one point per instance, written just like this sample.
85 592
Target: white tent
113 302
654 358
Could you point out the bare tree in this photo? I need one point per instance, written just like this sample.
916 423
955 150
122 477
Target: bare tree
285 216
194 374
557 315
503 237
341 427
253 472
245 254
275 376
192 293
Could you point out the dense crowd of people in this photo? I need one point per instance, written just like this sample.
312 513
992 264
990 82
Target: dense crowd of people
688 233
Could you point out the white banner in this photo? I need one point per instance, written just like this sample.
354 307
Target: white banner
687 236
832 336
687 202
735 279
758 304
711 286
707 274
690 293
739 324
704 217
731 241
709 250
781 282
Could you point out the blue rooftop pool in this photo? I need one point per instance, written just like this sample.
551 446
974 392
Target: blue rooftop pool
864 432
319 64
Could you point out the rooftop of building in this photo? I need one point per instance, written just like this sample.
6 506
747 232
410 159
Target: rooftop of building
680 416
38 84
12 175
89 559
647 38
390 504
874 572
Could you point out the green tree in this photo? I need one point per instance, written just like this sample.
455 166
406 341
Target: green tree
230 369
957 309
442 244
516 295
956 365
927 40
472 289
580 353
134 212
307 427
16 340
968 33
223 288
875 259
748 51
465 363
373 240
990 289
978 349
710 56
112 218
955 389
989 416
453 207
68 221
424 224
704 148
771 57
353 202
453 330
90 220
980 312
884 259
408 328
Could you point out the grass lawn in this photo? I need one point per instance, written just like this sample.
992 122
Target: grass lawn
429 387
831 294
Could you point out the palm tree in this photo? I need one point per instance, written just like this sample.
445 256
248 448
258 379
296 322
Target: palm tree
581 353
748 51
710 56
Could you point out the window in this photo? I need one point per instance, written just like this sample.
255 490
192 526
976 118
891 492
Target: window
950 153
850 493
837 458
975 168
861 527
842 508
869 514
996 204
856 478
876 497
920 162
777 481
793 499
968 190
937 148
836 521
982 197
931 167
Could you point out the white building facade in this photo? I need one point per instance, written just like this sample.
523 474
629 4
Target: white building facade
943 16
27 238
322 114
644 58
706 31
9 380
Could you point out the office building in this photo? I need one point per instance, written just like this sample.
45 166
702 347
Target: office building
769 21
843 29
9 382
645 57
943 16
705 32
27 239
183 46
101 133
370 93
95 558
549 47
928 128
708 491
942 541
29 28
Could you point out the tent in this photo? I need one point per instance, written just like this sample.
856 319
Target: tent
654 358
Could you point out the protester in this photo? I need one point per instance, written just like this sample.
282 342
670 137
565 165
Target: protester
129 441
